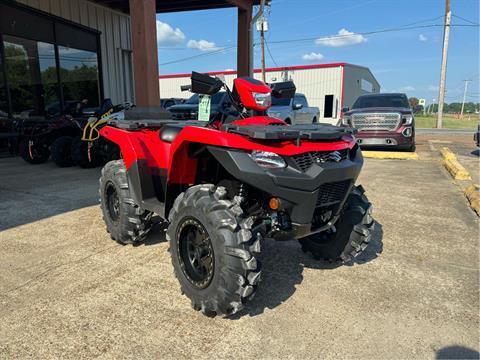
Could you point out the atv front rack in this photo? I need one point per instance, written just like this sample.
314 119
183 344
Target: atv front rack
276 132
139 124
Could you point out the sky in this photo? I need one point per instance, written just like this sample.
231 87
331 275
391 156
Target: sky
407 60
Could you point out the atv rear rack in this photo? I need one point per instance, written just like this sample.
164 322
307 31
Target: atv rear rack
275 132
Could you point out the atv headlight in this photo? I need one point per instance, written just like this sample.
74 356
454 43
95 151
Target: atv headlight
262 99
407 119
267 159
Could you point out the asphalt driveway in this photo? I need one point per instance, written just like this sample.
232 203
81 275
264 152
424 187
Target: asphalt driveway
67 290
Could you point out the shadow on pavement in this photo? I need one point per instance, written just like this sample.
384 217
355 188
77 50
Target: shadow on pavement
29 193
476 152
457 352
156 235
282 270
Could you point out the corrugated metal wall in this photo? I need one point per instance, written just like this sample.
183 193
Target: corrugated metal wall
314 83
115 40
353 84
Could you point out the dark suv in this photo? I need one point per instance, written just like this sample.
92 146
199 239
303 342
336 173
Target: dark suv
189 109
382 120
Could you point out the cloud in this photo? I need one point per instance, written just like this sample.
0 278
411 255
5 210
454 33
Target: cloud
168 36
202 45
422 38
313 56
343 38
433 88
406 88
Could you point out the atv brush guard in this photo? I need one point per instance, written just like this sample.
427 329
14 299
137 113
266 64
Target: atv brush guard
224 185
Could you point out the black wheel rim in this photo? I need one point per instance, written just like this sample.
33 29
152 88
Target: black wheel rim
195 253
112 201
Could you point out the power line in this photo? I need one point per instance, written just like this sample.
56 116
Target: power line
199 55
469 21
367 33
399 28
269 53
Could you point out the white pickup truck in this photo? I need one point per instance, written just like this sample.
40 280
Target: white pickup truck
294 111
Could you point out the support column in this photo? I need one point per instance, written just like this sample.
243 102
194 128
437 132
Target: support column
243 41
145 57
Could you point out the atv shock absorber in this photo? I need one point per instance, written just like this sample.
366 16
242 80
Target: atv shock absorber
242 194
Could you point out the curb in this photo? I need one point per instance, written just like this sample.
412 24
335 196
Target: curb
472 193
390 155
447 154
451 163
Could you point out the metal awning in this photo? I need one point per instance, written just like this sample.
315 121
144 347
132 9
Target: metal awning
164 6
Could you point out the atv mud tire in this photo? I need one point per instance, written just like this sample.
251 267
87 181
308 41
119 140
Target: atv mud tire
36 155
126 222
61 151
352 231
214 253
80 154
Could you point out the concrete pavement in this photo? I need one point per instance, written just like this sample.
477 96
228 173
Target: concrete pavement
67 290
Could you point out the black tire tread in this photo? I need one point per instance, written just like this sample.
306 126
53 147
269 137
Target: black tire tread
135 223
80 156
354 231
25 155
61 151
241 248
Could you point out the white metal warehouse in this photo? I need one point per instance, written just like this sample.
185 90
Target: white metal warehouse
327 86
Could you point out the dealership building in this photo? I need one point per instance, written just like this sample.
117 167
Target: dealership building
57 54
327 86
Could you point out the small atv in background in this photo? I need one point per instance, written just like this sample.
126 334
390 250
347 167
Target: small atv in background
224 185
89 149
40 138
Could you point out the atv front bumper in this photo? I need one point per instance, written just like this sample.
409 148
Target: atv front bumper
301 193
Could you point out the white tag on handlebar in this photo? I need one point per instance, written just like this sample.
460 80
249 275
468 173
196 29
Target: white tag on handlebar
204 102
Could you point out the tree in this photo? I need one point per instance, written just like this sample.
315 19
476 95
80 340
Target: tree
413 101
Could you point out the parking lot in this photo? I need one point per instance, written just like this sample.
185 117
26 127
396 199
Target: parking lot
67 290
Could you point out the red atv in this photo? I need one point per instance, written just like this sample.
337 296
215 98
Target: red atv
226 184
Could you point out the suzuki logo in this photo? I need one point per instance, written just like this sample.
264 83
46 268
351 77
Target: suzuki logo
333 156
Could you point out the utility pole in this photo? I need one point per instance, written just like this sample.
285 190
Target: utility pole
464 97
262 46
262 27
443 72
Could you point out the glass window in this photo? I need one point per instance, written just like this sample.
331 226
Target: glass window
280 102
216 98
192 100
32 77
79 78
303 100
3 93
5 122
300 99
381 100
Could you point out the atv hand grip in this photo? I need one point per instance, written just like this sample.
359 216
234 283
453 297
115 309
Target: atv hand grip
185 87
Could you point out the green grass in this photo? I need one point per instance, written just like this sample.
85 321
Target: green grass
449 122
